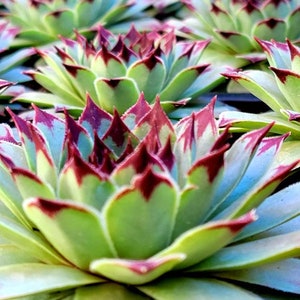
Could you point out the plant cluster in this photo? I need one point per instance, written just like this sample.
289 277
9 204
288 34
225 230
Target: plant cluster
120 179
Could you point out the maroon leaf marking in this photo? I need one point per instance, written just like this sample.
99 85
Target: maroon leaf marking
23 172
113 83
222 139
283 74
145 266
205 118
128 151
42 117
73 129
94 115
271 23
157 118
52 207
6 161
270 142
80 168
63 54
267 46
215 9
293 115
166 155
213 162
40 145
295 51
73 70
250 7
148 181
107 55
140 160
255 137
117 130
150 62
227 34
237 225
132 35
138 110
22 126
7 135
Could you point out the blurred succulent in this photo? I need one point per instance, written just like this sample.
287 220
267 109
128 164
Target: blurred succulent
233 24
11 60
42 21
107 205
279 88
114 70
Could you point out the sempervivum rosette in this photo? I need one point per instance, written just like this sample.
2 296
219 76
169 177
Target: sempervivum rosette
133 207
114 70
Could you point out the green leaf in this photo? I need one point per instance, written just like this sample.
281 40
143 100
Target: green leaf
149 75
108 290
205 240
275 210
142 215
182 81
195 289
11 255
29 241
252 254
38 188
118 93
282 275
67 226
135 271
196 199
40 278
79 182
60 22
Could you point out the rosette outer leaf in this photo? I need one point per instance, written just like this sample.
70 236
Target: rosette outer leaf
114 70
133 206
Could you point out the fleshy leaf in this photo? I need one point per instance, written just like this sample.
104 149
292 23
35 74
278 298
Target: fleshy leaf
282 275
195 289
67 227
142 215
135 271
40 278
253 253
200 242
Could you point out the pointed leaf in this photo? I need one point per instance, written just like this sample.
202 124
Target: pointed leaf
142 215
252 254
202 241
67 226
282 275
135 271
120 93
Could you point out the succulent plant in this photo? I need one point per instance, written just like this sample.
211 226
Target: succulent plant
134 207
233 24
11 61
42 21
278 88
114 70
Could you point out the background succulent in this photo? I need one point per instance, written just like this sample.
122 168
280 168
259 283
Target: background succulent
41 22
114 70
232 25
278 88
115 202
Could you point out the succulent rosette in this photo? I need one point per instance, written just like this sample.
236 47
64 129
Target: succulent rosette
232 25
42 21
114 70
278 88
134 207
